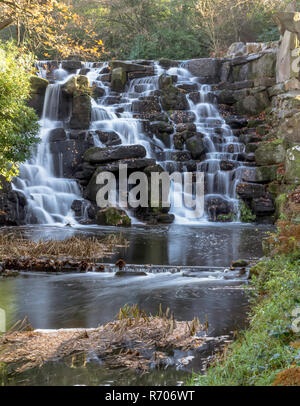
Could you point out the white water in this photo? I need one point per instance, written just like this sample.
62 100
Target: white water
50 198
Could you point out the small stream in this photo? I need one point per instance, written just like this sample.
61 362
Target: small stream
87 300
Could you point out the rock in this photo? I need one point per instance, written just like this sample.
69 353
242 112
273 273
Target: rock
71 66
57 134
196 146
253 104
250 190
164 81
131 273
251 147
226 97
37 94
98 92
180 117
146 106
108 138
266 174
227 166
75 84
168 63
98 155
208 69
191 127
81 112
188 87
236 122
173 99
263 206
68 155
269 153
239 263
127 66
264 67
161 126
113 216
292 166
236 49
118 80
12 205
289 129
216 206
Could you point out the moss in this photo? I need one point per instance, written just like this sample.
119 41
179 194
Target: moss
246 215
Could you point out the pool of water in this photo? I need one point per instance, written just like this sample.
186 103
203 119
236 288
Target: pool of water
87 300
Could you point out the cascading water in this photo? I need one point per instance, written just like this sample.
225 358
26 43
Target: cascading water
49 198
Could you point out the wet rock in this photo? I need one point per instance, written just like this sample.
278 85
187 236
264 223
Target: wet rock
168 63
173 98
251 147
208 69
75 84
188 87
239 263
97 155
37 94
146 106
12 205
227 166
118 80
263 206
109 138
128 66
180 117
130 273
113 216
98 92
71 66
161 126
81 112
196 146
250 190
57 134
216 206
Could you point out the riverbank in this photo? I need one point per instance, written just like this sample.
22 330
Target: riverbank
268 353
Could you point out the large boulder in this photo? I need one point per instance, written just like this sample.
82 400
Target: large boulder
196 146
37 94
12 205
128 66
113 216
292 166
79 83
81 111
254 103
269 153
118 80
97 155
207 69
250 190
289 129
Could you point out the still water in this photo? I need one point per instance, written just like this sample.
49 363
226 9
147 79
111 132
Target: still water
87 300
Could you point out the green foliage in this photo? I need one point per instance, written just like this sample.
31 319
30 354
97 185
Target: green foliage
246 215
264 350
18 122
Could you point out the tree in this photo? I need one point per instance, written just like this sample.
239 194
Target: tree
18 122
47 25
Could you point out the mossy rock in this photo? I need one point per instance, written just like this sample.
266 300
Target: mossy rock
292 165
38 85
118 80
269 153
113 216
266 174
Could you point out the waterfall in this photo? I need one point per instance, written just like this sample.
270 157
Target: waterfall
49 198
